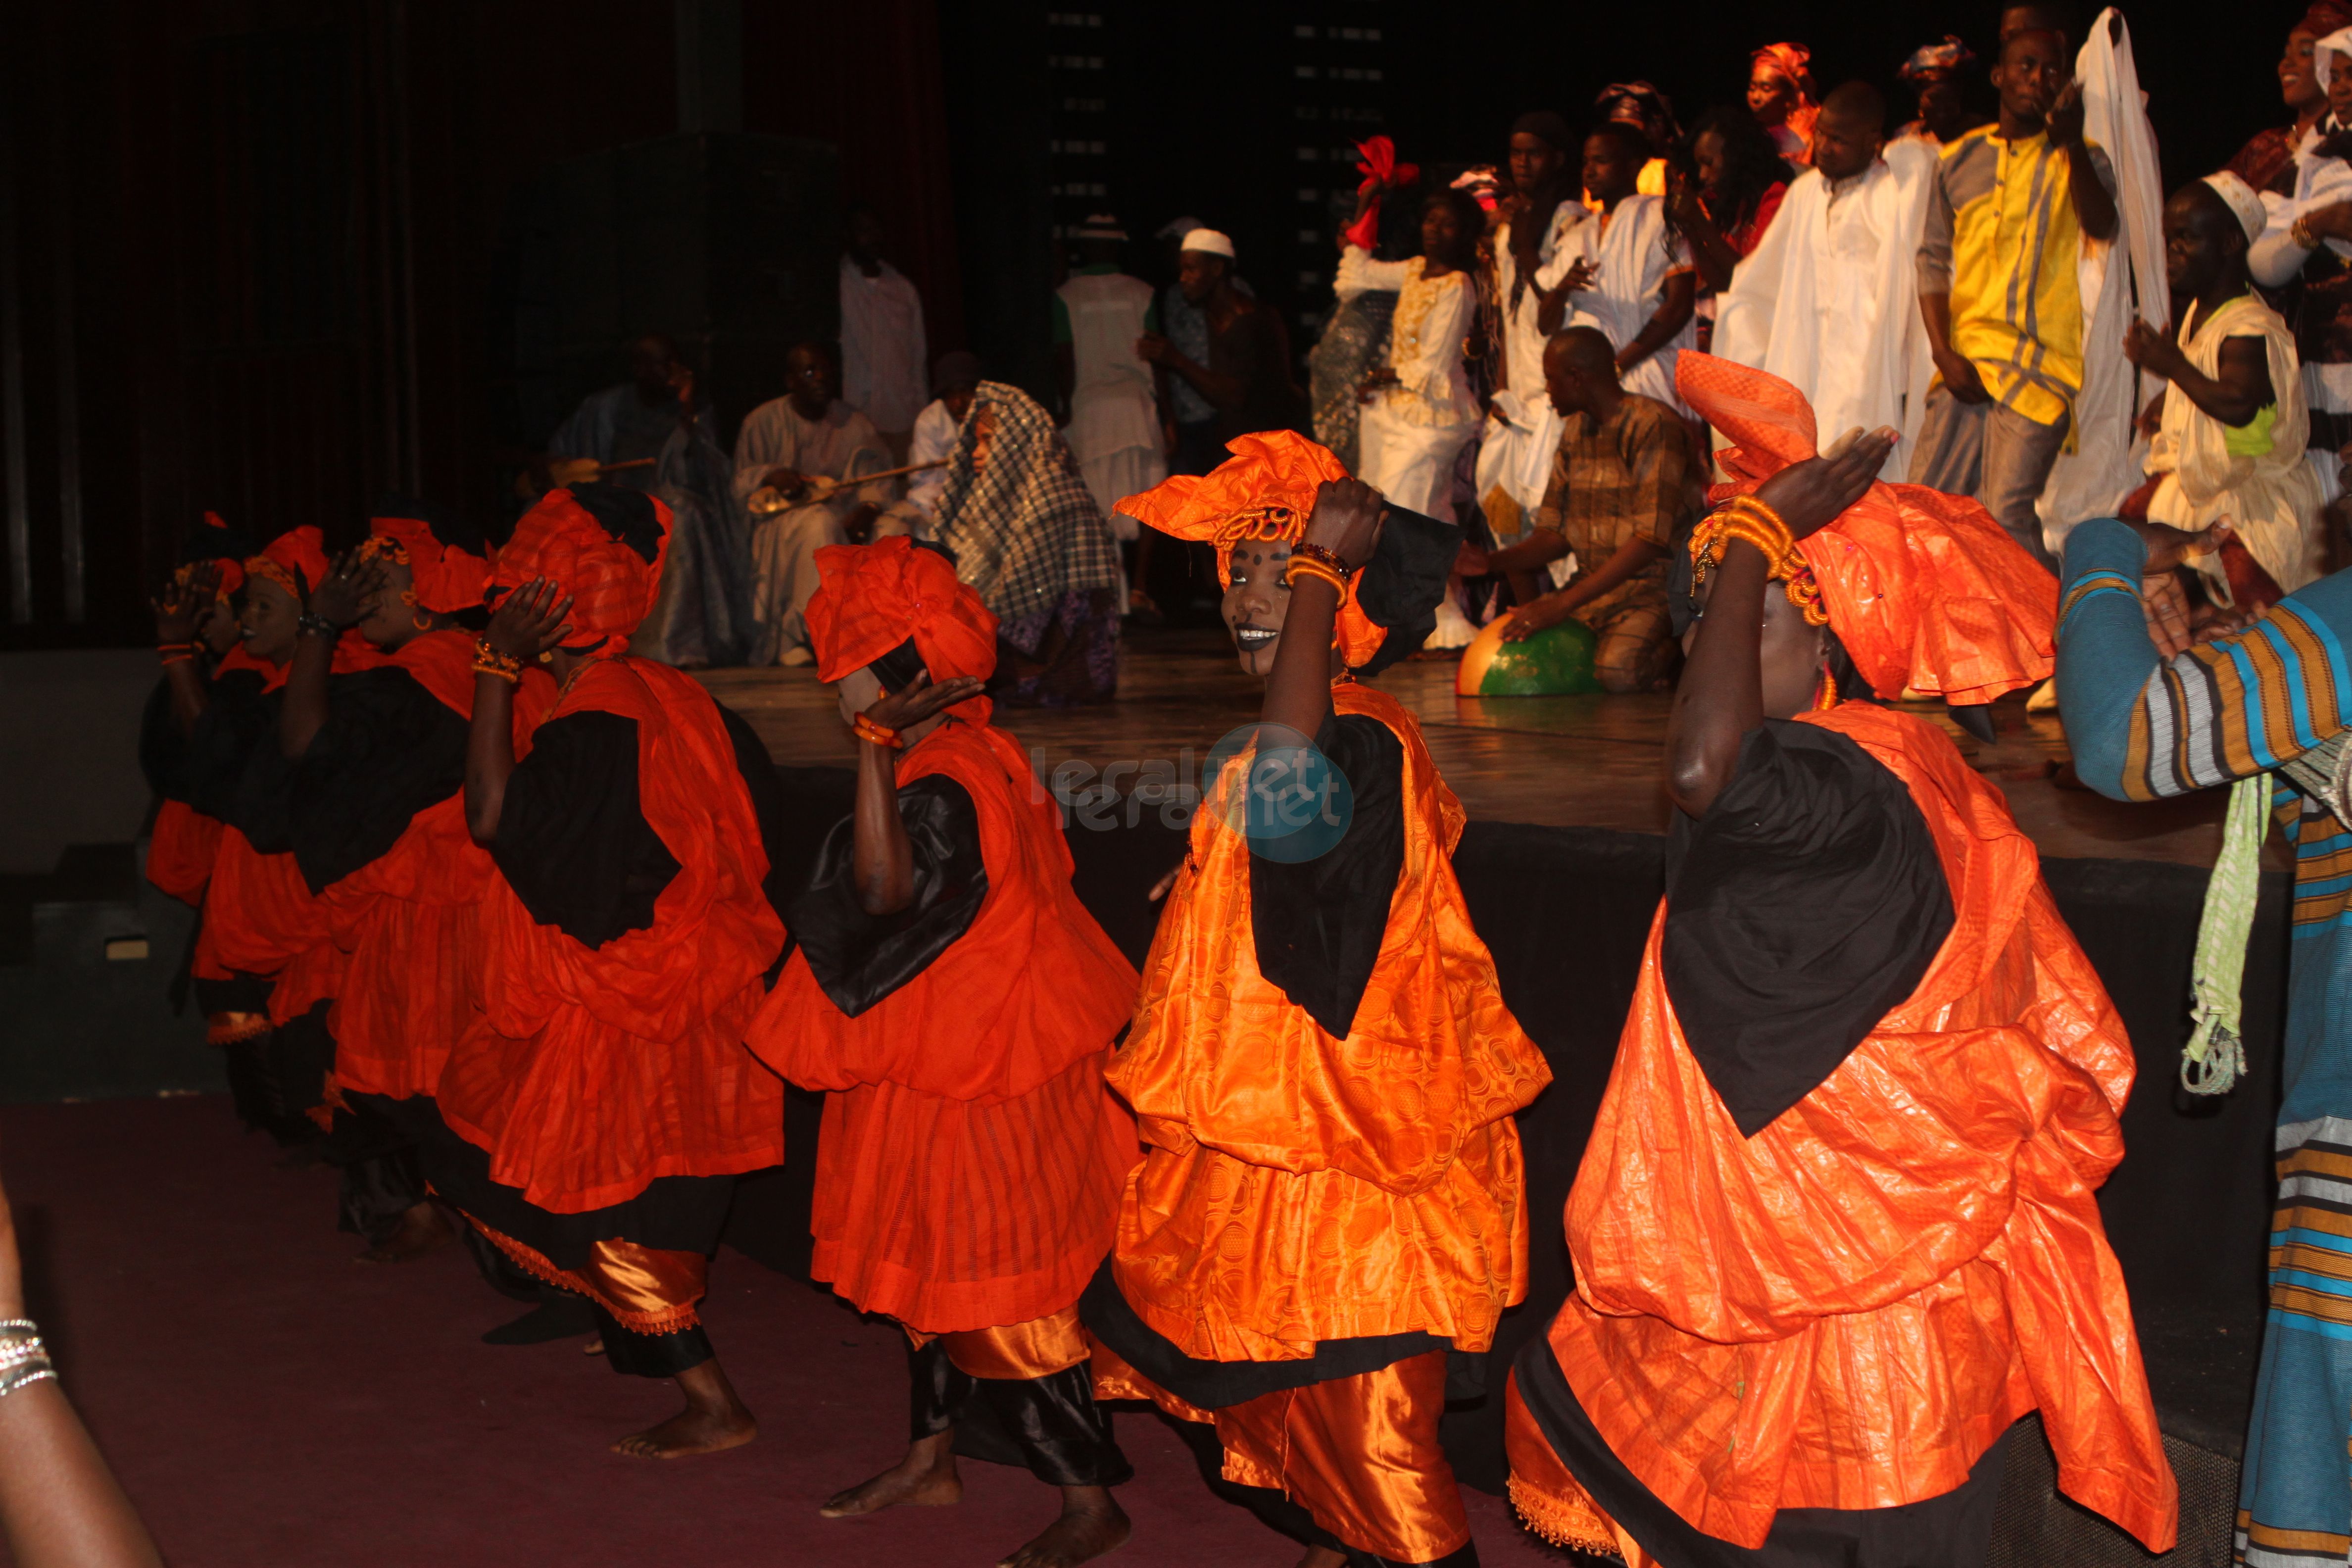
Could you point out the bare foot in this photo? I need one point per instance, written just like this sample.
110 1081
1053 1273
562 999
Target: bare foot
713 1419
1090 1525
1323 1557
420 1231
925 1478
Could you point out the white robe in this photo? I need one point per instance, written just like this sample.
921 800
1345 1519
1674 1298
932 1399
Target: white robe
2272 499
1515 447
1410 434
1634 262
1829 301
2099 466
885 365
1114 429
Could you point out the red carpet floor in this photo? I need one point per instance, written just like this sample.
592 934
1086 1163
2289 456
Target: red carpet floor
267 1400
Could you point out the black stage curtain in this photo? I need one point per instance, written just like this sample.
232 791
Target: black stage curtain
1566 911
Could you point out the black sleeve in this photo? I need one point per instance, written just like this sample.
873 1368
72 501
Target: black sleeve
572 838
388 750
1319 921
162 750
857 958
201 767
260 794
1803 907
768 804
1404 579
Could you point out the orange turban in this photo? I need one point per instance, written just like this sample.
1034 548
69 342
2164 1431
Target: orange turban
1265 491
603 545
871 598
1925 589
449 565
295 561
214 545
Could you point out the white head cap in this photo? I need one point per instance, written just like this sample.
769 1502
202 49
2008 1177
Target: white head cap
1209 242
2243 202
2338 42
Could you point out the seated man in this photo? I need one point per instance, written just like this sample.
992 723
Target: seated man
2232 440
1622 486
954 379
797 444
654 419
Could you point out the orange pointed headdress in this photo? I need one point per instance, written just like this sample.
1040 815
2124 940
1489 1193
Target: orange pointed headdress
1265 491
1925 589
871 598
449 562
602 546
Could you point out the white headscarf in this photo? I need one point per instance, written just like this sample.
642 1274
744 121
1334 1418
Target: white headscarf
2337 42
2243 202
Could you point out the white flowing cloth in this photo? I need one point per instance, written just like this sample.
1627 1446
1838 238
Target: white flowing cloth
1410 433
1635 261
1114 429
2117 276
1829 298
1516 448
885 365
843 445
2272 499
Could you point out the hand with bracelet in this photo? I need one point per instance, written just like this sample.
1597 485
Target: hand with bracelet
343 595
60 1506
527 623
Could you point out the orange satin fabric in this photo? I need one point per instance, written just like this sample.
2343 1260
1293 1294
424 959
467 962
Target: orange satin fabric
873 598
1848 1308
971 1158
612 587
1038 1348
408 923
1549 1498
1925 589
591 1072
648 1289
1297 1187
1360 1454
181 848
444 577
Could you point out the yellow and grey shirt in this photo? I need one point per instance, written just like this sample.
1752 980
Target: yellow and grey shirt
2001 240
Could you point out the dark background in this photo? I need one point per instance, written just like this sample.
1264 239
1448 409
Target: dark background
271 257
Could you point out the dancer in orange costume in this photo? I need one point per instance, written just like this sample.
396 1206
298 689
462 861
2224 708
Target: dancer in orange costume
957 1004
1322 1064
600 1105
1836 1229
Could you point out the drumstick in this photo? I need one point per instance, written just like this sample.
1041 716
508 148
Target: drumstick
631 463
889 473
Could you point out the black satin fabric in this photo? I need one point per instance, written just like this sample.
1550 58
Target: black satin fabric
1318 924
674 1213
259 797
1953 1530
388 750
1404 579
769 805
1215 1385
633 1354
1804 906
573 840
201 767
1051 1424
858 959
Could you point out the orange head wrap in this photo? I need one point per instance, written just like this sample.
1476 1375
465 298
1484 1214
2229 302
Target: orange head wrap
871 598
295 561
1925 589
1265 491
213 543
604 546
449 564
1794 61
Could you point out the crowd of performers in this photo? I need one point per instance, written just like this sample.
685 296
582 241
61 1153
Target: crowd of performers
488 910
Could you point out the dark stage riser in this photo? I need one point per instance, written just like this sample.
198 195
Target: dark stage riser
1566 911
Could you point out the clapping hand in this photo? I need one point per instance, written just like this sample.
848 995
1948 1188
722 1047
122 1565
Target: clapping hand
342 596
529 621
180 608
1811 495
920 699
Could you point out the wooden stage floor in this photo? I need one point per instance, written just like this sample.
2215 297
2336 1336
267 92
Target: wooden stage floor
1585 762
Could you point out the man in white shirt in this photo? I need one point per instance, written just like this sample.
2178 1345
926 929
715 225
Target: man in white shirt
883 354
1827 299
953 381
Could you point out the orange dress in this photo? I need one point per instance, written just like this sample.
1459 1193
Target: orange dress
592 1072
1299 1187
972 1159
1848 1308
407 923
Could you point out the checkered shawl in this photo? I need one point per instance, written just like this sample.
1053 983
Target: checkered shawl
1024 529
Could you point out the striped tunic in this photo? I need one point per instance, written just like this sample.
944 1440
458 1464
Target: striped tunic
2142 727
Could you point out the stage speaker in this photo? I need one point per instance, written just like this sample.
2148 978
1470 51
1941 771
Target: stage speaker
729 242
